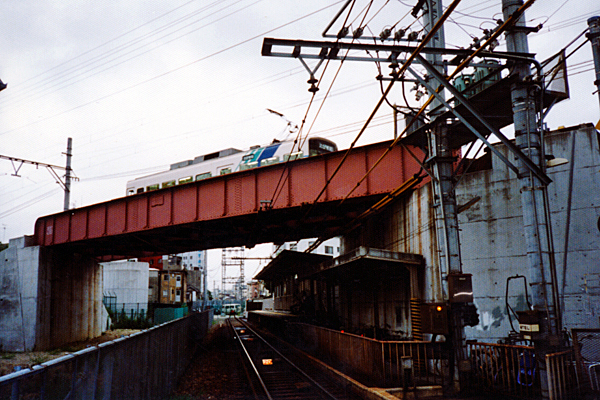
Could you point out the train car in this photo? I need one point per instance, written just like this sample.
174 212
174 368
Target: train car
229 161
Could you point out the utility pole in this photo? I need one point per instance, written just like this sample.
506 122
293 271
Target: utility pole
204 291
540 258
441 159
69 154
594 36
65 185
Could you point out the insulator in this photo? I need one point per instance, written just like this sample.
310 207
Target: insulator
313 89
357 33
343 32
386 33
399 34
413 36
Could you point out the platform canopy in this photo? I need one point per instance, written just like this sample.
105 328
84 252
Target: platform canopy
359 263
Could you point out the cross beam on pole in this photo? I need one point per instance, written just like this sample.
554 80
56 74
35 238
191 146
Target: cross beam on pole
330 50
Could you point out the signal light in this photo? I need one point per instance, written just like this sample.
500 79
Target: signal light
434 318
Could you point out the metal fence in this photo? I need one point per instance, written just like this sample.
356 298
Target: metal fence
504 369
382 363
144 365
563 381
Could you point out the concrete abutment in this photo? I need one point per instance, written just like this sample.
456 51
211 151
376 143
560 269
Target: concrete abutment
48 298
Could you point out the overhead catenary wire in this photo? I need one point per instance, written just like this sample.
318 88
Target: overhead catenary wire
573 71
401 71
456 18
510 21
62 84
183 66
298 141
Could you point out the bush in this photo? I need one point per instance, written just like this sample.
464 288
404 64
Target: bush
121 320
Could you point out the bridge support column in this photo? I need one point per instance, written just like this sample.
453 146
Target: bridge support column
76 307
48 298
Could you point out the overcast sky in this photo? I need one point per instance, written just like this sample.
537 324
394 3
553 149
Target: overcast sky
142 84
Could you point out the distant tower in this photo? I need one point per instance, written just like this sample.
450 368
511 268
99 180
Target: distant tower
232 257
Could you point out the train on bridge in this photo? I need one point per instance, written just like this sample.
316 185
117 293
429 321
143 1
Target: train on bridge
230 160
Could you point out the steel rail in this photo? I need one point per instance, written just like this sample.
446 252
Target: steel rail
262 383
287 360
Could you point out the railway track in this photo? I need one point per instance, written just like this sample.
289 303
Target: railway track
275 376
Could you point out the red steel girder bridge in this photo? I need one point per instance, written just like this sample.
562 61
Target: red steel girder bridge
274 203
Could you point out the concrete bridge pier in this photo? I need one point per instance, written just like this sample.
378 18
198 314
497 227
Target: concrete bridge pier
48 298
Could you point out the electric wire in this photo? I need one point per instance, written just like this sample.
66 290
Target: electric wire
555 11
283 177
463 65
375 14
28 203
106 43
74 71
70 80
584 71
168 72
400 72
509 22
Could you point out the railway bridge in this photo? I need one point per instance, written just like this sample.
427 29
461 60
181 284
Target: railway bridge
311 197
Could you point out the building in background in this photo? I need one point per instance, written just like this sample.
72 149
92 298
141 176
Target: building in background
172 281
195 263
125 286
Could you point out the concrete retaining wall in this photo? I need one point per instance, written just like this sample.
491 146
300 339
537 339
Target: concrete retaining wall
493 243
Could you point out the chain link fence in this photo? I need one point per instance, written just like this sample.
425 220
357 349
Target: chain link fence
144 365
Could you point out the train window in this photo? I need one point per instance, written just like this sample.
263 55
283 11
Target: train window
152 187
140 190
269 161
130 192
187 179
225 171
249 165
292 156
168 184
205 175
